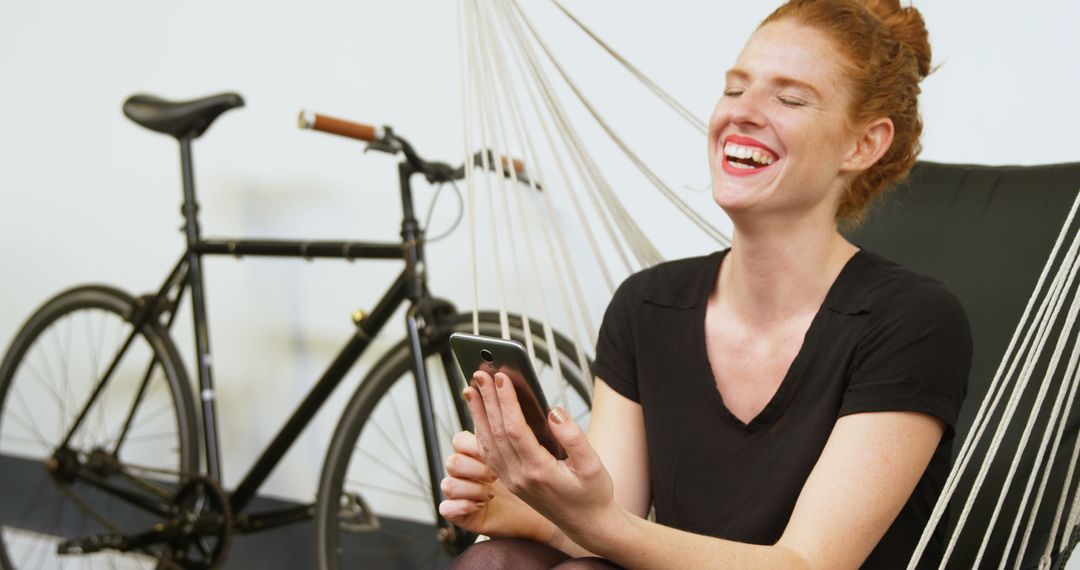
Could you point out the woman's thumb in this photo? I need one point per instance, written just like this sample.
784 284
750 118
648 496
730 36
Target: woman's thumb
571 437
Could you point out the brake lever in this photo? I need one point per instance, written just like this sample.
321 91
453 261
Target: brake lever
388 143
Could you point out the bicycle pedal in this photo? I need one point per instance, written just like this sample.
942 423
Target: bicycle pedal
90 544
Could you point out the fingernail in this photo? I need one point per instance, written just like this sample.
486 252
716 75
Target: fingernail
466 394
479 504
491 495
558 415
499 381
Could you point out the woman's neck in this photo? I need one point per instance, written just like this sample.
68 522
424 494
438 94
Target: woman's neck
772 276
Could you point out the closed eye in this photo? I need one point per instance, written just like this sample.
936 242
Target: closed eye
789 101
732 92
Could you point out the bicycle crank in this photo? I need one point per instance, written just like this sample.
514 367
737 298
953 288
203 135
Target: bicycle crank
196 537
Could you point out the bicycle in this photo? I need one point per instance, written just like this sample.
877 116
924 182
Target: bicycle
94 389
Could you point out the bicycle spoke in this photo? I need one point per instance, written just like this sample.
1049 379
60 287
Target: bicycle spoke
64 361
43 484
144 438
29 420
44 380
88 510
143 418
449 414
420 496
393 445
38 546
405 433
419 483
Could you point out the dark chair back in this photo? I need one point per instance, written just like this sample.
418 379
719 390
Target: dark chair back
985 232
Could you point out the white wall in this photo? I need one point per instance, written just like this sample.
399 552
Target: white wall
85 195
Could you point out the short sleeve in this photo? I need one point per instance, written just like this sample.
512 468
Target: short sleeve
616 362
915 356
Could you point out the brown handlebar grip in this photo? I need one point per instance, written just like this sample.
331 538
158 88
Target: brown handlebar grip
341 127
517 164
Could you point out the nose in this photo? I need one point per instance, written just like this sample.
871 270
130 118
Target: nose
746 109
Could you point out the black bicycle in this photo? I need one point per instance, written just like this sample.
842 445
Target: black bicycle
107 453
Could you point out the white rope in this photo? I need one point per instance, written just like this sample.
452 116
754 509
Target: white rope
470 164
608 201
1071 521
600 194
497 132
511 100
575 150
694 120
549 221
1010 409
521 54
1074 513
674 198
1044 387
1066 486
493 226
997 388
1072 383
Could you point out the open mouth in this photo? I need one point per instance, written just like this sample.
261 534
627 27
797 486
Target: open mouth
745 156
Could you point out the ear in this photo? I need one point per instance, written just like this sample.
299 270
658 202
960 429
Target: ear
873 140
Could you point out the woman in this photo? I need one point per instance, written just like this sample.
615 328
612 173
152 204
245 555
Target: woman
786 403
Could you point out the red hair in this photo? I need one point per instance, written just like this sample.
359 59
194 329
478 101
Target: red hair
886 52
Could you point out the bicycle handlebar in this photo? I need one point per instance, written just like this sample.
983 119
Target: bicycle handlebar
384 139
341 127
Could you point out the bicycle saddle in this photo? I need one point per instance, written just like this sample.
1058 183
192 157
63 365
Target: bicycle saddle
179 118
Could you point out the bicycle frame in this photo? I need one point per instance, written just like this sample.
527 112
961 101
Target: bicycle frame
410 286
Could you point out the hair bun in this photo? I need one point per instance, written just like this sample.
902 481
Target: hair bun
907 26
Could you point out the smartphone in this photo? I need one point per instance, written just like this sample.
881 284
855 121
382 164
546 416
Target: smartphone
491 355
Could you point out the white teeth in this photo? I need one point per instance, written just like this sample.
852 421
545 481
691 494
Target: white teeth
756 154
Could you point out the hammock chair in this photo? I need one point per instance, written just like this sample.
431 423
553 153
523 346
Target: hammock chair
1004 239
987 232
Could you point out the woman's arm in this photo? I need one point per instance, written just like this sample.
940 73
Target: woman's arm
617 432
866 473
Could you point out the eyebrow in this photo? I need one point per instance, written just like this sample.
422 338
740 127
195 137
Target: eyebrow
782 81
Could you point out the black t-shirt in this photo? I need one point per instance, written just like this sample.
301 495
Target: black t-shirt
885 339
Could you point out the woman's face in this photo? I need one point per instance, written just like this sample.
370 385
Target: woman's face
779 138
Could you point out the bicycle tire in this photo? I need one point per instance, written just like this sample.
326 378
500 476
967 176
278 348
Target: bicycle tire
46 376
362 453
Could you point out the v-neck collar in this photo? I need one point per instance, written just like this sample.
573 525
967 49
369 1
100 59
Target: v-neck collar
840 298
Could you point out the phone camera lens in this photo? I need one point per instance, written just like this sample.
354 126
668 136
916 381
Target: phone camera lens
486 355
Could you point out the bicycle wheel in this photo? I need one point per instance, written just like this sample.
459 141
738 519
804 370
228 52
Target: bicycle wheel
46 379
375 508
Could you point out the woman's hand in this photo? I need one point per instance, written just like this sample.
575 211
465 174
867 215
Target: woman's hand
478 502
576 494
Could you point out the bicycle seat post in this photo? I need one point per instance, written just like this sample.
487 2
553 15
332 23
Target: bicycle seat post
190 210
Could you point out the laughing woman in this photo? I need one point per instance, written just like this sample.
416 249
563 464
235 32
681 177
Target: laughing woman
786 403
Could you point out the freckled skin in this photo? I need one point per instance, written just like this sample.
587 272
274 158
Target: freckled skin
787 92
